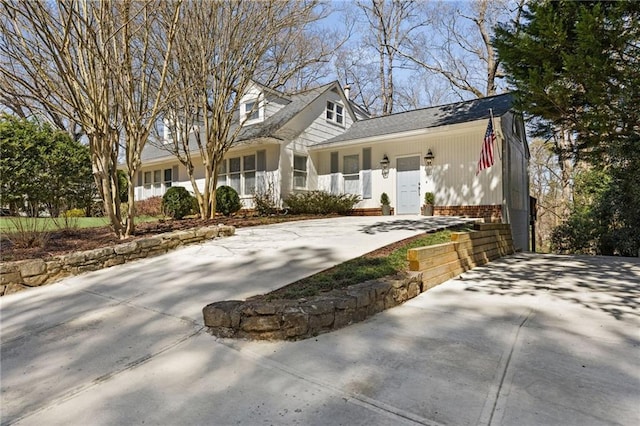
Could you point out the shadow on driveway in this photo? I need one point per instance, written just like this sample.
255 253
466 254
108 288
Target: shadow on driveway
427 224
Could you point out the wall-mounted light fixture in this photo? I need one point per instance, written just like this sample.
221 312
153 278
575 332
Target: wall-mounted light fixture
428 161
384 166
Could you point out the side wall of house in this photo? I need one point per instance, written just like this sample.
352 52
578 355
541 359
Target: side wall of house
515 167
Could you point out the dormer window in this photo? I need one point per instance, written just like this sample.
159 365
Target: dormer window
251 110
335 112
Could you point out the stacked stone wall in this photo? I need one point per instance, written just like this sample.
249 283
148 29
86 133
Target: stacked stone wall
19 275
265 319
303 318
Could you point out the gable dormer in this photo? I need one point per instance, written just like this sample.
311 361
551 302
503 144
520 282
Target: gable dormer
259 103
252 106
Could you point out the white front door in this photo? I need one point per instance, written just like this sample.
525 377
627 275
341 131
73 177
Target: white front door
408 185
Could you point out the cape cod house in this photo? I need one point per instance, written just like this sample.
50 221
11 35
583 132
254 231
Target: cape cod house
320 140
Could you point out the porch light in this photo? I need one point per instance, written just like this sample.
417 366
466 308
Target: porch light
384 166
428 161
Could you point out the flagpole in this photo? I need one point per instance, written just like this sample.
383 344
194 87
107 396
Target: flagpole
495 143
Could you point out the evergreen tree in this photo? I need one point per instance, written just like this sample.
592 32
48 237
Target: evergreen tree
576 66
42 168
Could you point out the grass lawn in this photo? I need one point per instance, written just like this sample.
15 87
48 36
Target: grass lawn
378 264
43 224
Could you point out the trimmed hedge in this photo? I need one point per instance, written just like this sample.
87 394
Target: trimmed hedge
177 202
320 202
227 200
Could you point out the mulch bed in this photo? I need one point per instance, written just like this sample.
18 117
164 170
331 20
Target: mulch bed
72 240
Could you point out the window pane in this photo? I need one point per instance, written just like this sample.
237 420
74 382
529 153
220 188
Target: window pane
147 178
156 176
234 164
300 162
339 114
249 183
330 109
262 160
352 184
234 182
222 167
366 158
167 175
248 107
249 162
334 162
300 179
366 184
351 164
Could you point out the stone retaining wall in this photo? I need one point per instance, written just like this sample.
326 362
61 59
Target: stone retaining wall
22 274
303 318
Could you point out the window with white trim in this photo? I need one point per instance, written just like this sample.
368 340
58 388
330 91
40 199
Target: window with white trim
251 110
335 112
239 173
147 180
222 174
249 173
168 178
351 174
157 179
300 171
235 174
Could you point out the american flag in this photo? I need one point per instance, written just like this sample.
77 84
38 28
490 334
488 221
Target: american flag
486 155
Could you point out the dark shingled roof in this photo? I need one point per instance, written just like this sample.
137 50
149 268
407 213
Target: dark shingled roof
270 126
266 129
460 112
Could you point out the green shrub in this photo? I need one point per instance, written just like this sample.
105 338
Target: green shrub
227 200
73 213
151 206
177 202
384 199
320 202
429 198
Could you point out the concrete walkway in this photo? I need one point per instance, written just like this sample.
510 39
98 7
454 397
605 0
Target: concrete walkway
529 339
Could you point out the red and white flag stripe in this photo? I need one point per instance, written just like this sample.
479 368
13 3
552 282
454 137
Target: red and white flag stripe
486 155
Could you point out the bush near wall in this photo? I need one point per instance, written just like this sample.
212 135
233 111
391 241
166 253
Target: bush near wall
320 202
151 206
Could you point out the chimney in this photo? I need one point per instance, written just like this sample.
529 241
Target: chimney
347 90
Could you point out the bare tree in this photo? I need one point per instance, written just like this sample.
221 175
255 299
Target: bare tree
391 23
220 48
460 48
546 187
89 62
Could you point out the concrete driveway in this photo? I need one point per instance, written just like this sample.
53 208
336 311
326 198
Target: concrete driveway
529 339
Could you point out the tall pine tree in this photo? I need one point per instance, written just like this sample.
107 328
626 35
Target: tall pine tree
576 66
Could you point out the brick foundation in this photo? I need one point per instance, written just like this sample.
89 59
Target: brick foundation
375 211
487 211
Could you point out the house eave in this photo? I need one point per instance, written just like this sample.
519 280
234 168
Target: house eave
386 137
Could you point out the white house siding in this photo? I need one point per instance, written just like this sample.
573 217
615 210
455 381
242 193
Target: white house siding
311 126
269 178
452 179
